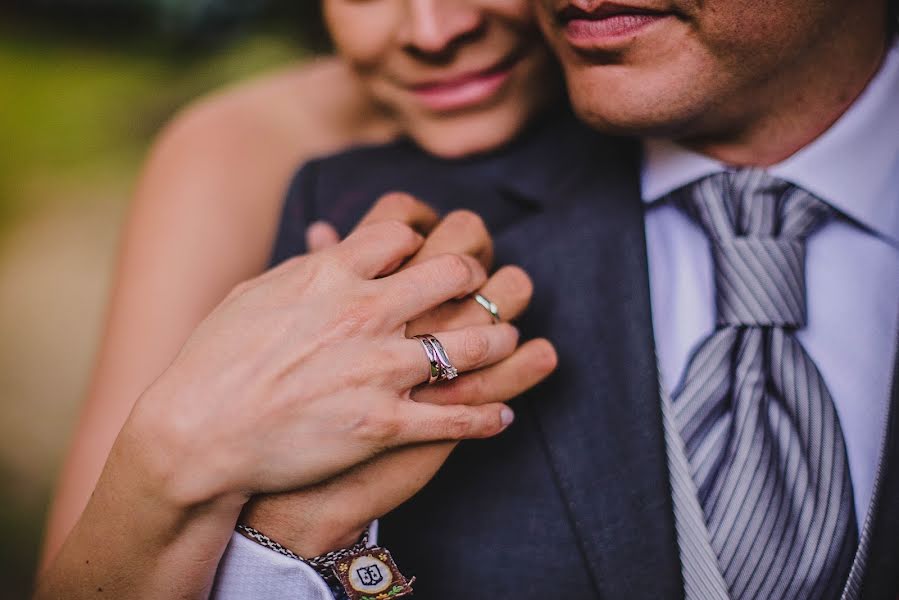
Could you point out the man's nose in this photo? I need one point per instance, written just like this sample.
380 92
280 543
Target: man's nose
435 27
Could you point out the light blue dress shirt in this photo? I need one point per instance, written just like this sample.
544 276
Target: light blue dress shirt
852 264
852 294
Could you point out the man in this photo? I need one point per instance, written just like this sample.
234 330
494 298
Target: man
760 273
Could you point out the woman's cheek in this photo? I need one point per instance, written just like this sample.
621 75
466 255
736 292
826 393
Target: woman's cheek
364 31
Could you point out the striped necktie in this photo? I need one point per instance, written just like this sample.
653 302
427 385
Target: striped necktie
759 427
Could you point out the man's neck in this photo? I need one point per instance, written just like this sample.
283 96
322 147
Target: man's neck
792 109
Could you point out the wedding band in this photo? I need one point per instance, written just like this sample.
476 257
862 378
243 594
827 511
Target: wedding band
489 306
441 369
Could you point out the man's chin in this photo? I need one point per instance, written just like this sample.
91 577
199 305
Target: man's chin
634 106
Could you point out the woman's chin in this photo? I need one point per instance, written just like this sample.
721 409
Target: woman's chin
470 135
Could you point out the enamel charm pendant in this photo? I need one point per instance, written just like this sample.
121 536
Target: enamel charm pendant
372 575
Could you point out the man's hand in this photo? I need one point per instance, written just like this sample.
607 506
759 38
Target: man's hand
333 514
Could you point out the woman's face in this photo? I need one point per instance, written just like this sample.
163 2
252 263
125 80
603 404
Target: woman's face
461 76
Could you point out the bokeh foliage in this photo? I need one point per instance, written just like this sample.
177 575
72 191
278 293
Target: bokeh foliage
84 87
85 83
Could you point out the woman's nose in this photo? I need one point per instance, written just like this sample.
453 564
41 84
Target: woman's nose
434 27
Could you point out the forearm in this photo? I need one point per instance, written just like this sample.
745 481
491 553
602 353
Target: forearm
135 540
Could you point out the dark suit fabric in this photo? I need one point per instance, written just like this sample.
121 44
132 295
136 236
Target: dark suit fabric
573 501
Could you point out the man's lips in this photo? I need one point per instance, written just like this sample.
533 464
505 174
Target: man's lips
605 25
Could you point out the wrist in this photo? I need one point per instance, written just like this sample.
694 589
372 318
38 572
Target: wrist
316 544
306 535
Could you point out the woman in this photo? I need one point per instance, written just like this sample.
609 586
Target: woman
459 77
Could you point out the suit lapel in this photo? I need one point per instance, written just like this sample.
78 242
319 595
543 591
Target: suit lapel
600 414
881 578
563 202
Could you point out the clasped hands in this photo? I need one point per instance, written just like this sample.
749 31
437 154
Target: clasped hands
299 400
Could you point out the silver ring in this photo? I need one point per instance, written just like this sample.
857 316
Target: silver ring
441 369
435 368
489 306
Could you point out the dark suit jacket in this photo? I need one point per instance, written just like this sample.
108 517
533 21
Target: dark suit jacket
573 501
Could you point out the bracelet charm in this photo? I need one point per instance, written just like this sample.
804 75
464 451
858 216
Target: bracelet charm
371 574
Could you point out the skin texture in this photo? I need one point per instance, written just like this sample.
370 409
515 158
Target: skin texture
259 400
393 45
207 204
333 514
745 82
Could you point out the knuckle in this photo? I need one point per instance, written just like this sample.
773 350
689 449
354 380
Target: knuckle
379 427
323 271
356 316
326 262
388 429
467 221
456 269
520 285
475 347
400 202
394 229
460 424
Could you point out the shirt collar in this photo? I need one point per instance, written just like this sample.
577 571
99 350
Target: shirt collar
853 166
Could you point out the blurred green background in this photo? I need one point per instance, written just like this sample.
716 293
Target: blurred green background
84 86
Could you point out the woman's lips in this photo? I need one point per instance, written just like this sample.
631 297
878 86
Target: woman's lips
463 91
608 26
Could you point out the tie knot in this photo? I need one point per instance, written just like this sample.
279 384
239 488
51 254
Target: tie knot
757 225
752 203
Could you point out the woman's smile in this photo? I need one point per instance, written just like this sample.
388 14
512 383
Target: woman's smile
467 89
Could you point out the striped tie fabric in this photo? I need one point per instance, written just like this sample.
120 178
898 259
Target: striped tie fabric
759 427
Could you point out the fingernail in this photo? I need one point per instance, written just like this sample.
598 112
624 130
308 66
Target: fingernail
507 416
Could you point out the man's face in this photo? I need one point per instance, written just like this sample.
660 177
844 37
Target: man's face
683 68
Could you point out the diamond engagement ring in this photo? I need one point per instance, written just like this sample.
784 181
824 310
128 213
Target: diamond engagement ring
441 369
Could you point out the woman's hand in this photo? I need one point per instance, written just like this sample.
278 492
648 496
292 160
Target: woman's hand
306 371
333 514
297 376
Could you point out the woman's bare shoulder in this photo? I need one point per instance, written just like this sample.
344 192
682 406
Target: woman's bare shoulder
281 118
235 150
